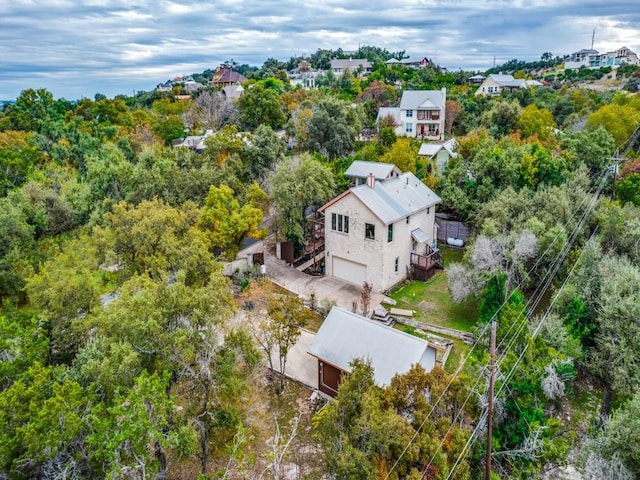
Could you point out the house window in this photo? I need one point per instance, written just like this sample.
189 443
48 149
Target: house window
407 220
428 210
390 233
397 265
340 223
369 231
409 113
408 127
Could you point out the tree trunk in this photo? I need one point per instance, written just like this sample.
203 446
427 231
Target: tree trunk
607 396
162 459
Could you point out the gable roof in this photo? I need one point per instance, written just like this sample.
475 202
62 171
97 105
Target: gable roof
393 198
350 63
345 336
225 75
507 80
394 112
362 169
431 149
412 99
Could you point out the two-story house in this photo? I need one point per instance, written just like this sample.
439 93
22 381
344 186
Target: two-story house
380 231
420 114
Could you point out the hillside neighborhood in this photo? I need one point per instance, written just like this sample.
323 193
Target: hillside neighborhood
347 265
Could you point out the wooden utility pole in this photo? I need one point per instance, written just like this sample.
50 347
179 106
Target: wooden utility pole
618 160
593 37
492 375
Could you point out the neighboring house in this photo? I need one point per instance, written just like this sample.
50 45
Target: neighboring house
360 170
589 58
345 336
191 86
476 79
304 75
381 231
439 153
232 92
194 142
495 84
407 62
165 87
357 66
420 115
224 77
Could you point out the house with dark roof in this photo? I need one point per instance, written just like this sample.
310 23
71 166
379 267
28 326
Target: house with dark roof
420 114
345 336
382 230
224 77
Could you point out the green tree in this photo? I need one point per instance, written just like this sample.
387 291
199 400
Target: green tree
18 158
332 128
619 120
403 153
226 223
264 151
536 121
169 128
260 106
297 186
155 239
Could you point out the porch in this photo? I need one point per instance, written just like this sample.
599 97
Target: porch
423 267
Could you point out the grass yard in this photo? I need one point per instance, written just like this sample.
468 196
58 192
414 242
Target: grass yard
432 303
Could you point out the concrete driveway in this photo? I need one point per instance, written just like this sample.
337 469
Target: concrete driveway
326 289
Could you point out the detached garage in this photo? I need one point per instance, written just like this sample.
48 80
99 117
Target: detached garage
352 272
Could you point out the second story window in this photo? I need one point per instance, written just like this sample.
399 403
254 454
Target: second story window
369 231
390 233
340 223
409 113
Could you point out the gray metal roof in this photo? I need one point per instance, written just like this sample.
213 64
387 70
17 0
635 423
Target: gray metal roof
431 149
351 63
413 99
345 336
397 197
507 80
419 235
362 169
394 112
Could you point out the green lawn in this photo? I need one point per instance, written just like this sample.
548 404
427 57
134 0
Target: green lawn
433 304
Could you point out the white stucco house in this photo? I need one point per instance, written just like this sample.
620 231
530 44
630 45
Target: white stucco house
357 66
495 84
382 230
420 114
439 153
589 58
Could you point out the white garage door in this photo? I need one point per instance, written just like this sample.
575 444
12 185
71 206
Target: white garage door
350 271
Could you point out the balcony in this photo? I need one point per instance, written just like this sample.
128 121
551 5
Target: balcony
425 266
430 115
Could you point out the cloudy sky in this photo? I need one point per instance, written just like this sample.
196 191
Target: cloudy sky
77 48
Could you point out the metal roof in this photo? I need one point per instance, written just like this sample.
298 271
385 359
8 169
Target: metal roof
345 336
419 235
397 197
394 112
412 99
431 149
362 169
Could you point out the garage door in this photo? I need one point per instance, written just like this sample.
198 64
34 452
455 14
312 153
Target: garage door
350 271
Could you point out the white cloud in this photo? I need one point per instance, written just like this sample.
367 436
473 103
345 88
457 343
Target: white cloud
80 47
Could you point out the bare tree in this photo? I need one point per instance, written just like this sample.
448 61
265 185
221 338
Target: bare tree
365 298
211 110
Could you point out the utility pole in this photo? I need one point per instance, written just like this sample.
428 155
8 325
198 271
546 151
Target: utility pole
492 375
618 160
593 37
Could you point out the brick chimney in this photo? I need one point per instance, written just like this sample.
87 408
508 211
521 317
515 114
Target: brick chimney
371 180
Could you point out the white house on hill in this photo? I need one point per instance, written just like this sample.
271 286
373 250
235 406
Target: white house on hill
420 114
380 231
495 84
